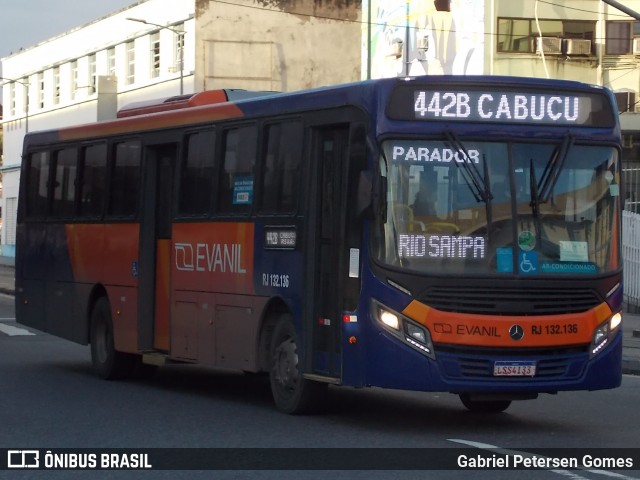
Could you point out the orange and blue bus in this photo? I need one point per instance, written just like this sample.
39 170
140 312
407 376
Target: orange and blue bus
450 234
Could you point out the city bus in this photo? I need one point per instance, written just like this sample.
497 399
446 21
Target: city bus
439 233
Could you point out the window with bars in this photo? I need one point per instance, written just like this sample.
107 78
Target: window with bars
111 61
155 54
41 90
178 57
56 85
74 78
93 72
130 77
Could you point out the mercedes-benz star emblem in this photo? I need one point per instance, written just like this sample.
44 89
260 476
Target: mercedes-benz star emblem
516 332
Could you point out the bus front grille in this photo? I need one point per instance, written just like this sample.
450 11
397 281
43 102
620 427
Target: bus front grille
476 363
509 301
483 368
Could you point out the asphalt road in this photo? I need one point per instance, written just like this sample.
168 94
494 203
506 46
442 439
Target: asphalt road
49 398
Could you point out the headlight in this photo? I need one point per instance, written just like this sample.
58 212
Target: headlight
411 333
390 319
604 333
415 332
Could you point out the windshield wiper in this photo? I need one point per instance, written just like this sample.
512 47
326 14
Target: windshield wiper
535 201
477 184
552 170
533 186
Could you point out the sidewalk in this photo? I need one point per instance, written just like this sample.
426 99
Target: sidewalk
630 322
631 343
7 275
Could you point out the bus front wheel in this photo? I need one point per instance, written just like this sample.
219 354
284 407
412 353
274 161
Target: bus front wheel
484 406
107 362
292 393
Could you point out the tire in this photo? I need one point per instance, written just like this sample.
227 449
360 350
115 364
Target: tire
484 406
292 393
107 362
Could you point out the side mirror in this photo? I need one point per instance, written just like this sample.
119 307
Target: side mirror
365 194
372 196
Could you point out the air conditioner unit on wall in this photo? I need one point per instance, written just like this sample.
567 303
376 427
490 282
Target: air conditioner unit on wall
395 49
422 43
636 46
549 45
577 46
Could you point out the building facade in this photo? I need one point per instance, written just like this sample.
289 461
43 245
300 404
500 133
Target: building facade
162 48
585 40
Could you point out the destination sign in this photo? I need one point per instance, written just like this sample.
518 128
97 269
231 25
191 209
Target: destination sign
501 106
441 246
280 238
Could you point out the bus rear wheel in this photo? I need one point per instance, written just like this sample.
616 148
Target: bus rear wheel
292 393
484 406
107 362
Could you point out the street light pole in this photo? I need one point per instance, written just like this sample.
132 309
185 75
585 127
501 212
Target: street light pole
26 107
622 8
180 34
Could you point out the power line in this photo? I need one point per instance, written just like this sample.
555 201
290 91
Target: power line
441 30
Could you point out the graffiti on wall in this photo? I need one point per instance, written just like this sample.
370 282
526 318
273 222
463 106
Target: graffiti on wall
438 42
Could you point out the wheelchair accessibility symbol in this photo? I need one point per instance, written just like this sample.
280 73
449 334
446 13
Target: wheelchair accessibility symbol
528 262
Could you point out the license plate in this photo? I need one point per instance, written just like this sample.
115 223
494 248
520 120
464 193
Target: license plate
514 369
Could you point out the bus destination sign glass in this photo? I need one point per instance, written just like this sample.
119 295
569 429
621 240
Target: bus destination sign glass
507 106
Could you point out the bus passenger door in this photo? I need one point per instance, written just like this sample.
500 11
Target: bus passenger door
155 247
330 155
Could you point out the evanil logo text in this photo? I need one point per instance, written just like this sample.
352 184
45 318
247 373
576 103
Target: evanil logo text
205 257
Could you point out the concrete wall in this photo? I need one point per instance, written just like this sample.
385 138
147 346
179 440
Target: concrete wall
280 45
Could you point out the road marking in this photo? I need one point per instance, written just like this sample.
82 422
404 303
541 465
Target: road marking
14 331
565 473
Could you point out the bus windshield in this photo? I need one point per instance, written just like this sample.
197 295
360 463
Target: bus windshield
500 207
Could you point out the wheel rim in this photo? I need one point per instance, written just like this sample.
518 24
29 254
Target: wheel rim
286 365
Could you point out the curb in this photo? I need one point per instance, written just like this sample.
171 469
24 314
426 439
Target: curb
630 366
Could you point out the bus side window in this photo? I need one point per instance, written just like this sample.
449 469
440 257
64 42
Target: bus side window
196 176
235 193
64 186
92 181
37 185
124 198
281 174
